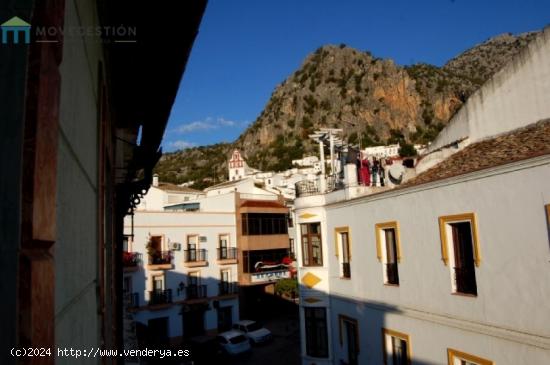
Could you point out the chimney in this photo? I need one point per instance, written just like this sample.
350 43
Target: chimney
155 180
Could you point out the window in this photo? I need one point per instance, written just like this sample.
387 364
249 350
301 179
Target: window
388 249
311 244
223 247
459 246
224 276
264 223
158 282
397 349
194 288
127 243
225 284
349 339
316 332
343 251
127 285
462 358
193 278
158 294
291 249
547 208
290 221
156 243
192 245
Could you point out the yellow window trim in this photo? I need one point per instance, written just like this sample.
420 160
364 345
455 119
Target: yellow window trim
453 354
444 220
341 319
400 335
337 231
379 227
547 206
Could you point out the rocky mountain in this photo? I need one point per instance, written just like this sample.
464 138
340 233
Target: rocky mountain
373 100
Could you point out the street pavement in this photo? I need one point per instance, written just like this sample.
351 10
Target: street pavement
284 349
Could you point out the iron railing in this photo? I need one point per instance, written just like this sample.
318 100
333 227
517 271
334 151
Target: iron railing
227 253
195 291
306 188
392 273
194 255
131 300
160 258
131 259
310 187
227 288
465 280
334 182
160 296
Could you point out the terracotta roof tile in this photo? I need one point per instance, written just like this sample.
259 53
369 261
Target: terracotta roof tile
520 144
262 204
177 188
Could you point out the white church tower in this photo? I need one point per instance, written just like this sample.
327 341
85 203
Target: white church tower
237 166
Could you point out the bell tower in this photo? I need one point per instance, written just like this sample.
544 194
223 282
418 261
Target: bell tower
236 166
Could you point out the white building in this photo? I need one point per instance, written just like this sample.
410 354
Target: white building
450 267
181 263
191 254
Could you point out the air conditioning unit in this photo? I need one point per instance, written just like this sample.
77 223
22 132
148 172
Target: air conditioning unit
175 246
202 239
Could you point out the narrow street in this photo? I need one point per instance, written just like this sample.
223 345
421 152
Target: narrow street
285 347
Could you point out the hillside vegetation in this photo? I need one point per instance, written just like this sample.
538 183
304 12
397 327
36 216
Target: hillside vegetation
372 99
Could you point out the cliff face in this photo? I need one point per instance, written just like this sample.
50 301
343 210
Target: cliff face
371 99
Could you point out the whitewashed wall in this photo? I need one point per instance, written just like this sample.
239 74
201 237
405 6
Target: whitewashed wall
76 250
174 227
508 321
515 96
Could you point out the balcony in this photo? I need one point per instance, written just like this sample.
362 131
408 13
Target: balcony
195 258
465 280
131 260
195 292
227 288
131 300
346 270
160 296
392 274
160 260
227 255
321 186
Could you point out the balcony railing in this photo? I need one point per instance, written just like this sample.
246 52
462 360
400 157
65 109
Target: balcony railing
196 291
227 288
160 258
334 182
160 296
310 187
194 255
227 253
306 188
392 275
131 259
131 300
346 270
465 280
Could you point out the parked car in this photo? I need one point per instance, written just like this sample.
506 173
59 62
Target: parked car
254 331
233 342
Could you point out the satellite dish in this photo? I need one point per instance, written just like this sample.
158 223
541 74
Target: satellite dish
395 173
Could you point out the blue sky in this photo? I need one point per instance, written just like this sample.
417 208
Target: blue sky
246 47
